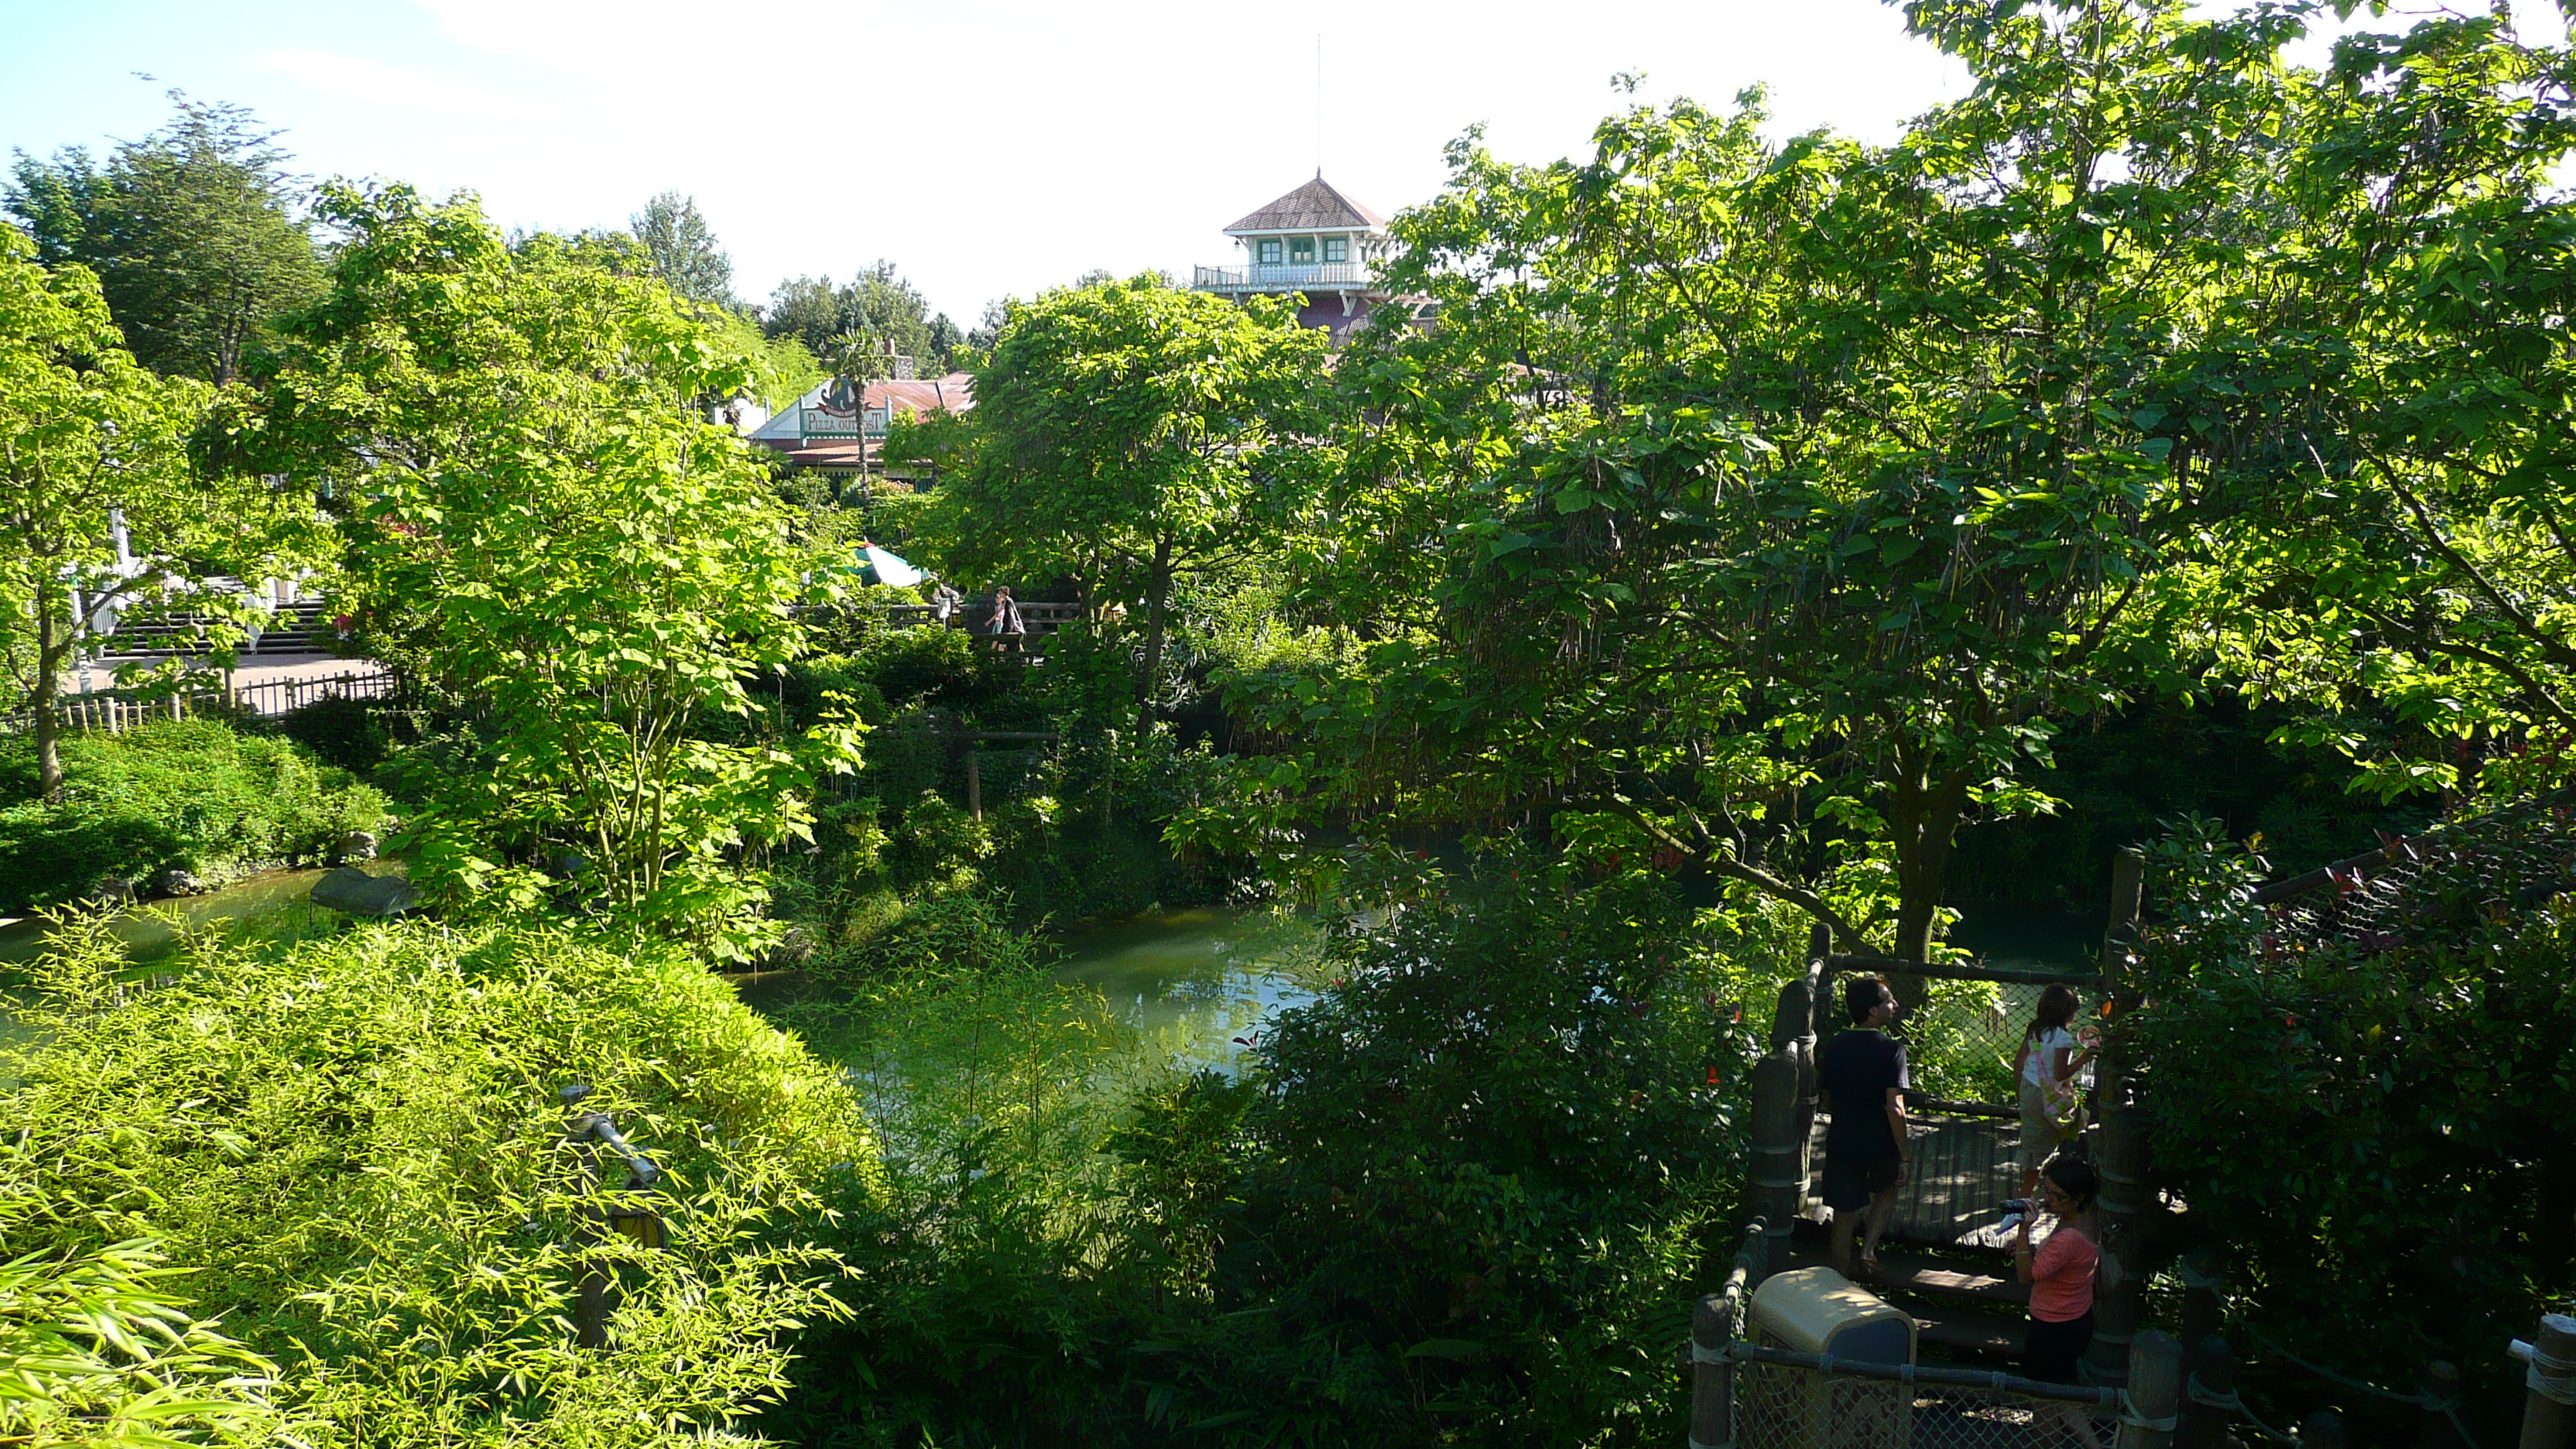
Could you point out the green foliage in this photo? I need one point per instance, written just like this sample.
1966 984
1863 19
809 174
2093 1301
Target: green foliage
1134 435
1478 1166
348 733
2401 567
193 232
191 793
683 248
2118 777
96 1350
569 548
877 308
1459 1197
87 436
355 1146
784 369
2368 1118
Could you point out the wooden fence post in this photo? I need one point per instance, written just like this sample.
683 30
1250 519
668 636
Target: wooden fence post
2549 1395
2128 892
975 783
1777 1192
2155 1390
2323 1430
1712 1413
2213 1375
2120 1161
2204 1292
2433 1428
1793 1029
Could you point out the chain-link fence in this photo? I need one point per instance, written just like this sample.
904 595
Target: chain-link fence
1800 1401
2454 874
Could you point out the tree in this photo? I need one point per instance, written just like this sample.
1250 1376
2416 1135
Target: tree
876 308
193 232
1766 509
988 325
1134 434
683 248
91 442
2413 554
549 525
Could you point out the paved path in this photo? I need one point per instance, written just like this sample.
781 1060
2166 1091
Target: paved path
253 668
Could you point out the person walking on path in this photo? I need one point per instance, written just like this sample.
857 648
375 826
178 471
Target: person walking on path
1006 622
2060 1275
1864 1080
945 601
2046 1069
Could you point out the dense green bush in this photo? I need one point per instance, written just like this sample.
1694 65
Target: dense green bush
348 733
2366 1113
356 1150
196 794
1463 1196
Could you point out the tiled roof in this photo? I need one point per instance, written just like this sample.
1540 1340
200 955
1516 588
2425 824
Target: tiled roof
1315 206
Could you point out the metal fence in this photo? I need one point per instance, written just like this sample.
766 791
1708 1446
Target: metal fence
2461 871
116 711
1747 1394
1805 1401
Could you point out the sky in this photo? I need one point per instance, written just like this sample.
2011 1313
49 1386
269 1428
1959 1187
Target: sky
986 147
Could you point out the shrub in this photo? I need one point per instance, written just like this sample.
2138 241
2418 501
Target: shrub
1462 1197
2359 1094
948 667
347 733
193 793
356 1147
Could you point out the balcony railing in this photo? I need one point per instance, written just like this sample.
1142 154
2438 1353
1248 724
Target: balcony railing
1283 277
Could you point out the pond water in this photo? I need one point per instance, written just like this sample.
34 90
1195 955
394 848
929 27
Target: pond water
1196 983
148 929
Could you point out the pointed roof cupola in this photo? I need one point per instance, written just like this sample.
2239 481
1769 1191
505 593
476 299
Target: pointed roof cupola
1315 206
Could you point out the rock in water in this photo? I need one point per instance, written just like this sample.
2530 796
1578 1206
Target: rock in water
177 881
357 845
354 892
115 890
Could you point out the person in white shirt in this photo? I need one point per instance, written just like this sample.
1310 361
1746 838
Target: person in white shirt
2047 1066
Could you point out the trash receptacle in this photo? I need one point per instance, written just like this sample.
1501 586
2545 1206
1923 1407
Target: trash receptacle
1817 1310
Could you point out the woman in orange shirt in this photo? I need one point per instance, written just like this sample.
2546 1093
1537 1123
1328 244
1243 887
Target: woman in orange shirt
2060 1275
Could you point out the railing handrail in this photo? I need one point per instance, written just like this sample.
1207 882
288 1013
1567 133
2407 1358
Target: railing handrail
116 709
1909 1373
1283 274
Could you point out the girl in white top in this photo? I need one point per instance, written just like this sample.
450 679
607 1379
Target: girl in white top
2047 1065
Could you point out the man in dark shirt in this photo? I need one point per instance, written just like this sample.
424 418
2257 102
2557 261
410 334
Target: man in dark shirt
1863 1076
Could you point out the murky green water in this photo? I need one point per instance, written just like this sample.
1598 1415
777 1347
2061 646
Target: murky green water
261 898
1200 983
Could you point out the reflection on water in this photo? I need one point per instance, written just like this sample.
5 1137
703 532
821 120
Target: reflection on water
1197 984
146 930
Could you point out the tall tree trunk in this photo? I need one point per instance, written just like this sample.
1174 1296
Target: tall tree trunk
1925 819
54 637
1158 595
